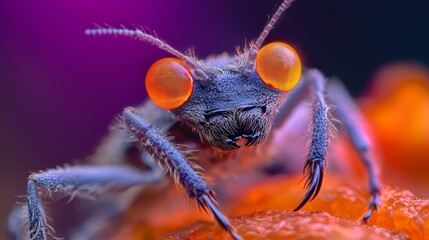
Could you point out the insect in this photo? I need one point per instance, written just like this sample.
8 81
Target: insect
230 102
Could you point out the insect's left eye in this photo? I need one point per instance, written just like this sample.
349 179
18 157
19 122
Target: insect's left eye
169 83
279 66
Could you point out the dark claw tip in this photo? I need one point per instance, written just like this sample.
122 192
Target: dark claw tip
314 181
365 218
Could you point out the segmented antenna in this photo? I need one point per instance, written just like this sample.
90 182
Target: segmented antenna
250 64
142 36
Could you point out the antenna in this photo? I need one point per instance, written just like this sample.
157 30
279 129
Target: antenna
145 37
251 57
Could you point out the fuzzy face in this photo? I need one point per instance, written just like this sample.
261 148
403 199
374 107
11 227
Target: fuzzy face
231 107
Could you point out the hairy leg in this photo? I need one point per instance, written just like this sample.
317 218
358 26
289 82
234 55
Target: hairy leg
312 85
82 181
114 147
174 161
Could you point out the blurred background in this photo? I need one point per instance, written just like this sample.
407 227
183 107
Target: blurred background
60 89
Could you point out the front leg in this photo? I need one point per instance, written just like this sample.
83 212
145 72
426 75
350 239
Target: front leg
312 85
176 164
320 130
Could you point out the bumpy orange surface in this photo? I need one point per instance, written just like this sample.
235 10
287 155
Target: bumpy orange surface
263 211
400 212
292 225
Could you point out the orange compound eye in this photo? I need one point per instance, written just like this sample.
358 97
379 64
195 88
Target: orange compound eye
169 83
279 66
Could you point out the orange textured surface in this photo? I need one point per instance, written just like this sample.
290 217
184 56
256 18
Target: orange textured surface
284 193
403 211
399 212
292 225
264 212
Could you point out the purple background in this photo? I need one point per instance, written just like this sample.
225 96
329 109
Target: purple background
60 89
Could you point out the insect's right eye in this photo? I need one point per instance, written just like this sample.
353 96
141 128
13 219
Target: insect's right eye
278 65
169 83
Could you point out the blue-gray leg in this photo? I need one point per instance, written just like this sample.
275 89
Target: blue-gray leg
349 116
75 181
320 129
176 164
311 86
36 216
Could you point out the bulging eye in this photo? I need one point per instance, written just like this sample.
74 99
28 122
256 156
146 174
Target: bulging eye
279 66
169 83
